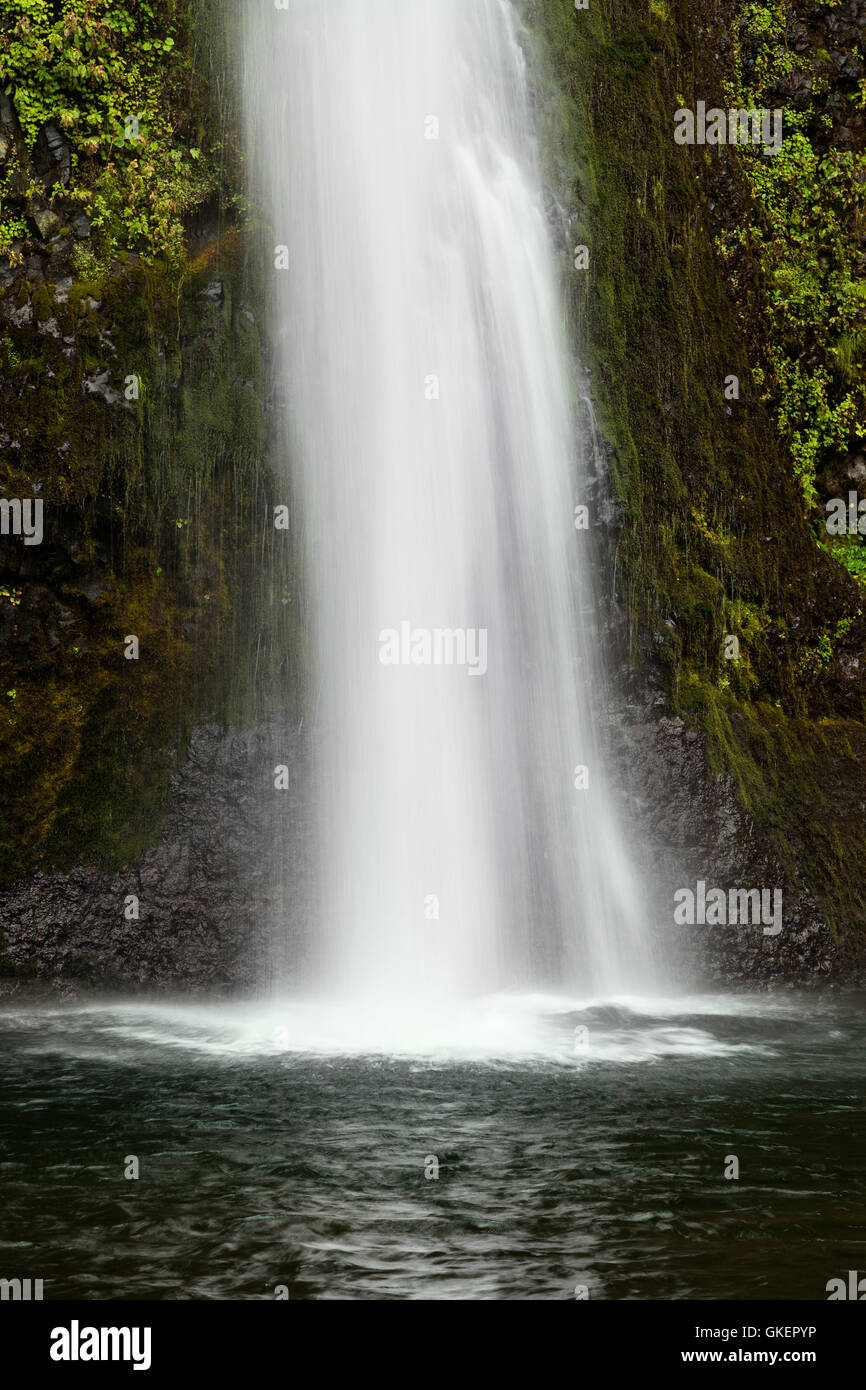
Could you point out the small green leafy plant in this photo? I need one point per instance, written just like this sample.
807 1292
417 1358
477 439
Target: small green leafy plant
114 79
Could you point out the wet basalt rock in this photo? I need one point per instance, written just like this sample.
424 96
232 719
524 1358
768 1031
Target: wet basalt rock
206 910
686 826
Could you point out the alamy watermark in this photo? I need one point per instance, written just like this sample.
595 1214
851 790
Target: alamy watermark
21 1290
438 646
846 519
735 127
854 1289
22 517
743 907
77 1343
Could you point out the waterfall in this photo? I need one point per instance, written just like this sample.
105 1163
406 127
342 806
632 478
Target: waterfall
432 446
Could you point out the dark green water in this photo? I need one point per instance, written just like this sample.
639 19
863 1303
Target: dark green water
560 1164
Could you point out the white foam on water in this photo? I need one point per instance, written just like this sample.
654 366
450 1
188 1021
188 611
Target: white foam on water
522 1030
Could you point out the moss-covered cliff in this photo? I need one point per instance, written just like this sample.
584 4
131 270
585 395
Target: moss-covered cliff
132 389
713 538
134 398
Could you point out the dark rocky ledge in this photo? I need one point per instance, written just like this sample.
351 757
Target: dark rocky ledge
207 892
210 891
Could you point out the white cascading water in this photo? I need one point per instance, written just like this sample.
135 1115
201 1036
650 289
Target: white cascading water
435 457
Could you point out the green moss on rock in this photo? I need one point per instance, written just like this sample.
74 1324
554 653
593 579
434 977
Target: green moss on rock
712 539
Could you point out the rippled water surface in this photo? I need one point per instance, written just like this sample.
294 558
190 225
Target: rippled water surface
577 1143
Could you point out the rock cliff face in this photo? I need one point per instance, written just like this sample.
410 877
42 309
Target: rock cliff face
688 827
219 904
148 786
197 912
749 767
134 409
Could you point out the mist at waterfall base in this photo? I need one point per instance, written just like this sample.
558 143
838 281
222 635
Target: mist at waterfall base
433 455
